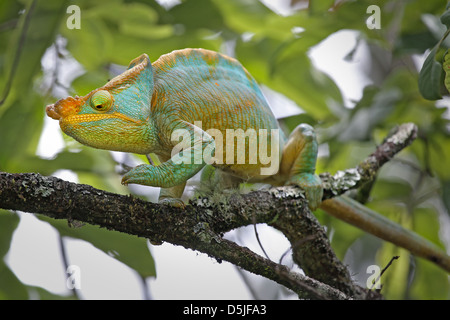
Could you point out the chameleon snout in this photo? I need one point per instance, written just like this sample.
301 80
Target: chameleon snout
51 112
64 107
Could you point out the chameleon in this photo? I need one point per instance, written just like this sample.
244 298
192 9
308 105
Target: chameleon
139 110
208 101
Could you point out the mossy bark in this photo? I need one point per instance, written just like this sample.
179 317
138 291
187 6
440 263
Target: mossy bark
201 225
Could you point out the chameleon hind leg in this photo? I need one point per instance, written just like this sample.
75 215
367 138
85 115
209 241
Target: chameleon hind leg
217 178
298 163
171 196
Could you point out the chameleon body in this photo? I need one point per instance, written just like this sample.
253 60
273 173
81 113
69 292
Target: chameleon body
197 92
203 95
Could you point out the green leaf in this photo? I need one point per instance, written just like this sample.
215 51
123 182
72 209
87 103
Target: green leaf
430 77
445 18
446 194
426 224
394 280
20 126
42 294
34 35
343 234
8 224
320 6
434 25
285 68
131 250
247 16
293 121
414 11
392 190
198 14
375 106
90 81
90 46
446 66
430 281
10 286
438 155
22 114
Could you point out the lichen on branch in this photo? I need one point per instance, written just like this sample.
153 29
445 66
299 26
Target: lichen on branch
201 225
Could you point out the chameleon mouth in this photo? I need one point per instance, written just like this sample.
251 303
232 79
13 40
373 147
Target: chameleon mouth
83 118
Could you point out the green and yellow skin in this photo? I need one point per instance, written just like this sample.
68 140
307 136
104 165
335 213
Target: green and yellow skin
201 92
139 110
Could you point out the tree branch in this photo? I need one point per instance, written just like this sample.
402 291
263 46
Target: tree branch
343 181
201 225
61 199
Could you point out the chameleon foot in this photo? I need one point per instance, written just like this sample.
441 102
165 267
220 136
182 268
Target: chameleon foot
138 175
173 202
312 185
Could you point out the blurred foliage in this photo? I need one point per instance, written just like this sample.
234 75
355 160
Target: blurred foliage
413 189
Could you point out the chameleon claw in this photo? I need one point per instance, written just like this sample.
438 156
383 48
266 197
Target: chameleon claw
312 185
126 180
173 202
137 175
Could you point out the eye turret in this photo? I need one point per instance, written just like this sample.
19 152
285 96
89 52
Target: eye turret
102 100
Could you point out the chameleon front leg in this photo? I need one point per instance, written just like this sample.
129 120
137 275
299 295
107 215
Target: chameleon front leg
188 157
298 163
171 196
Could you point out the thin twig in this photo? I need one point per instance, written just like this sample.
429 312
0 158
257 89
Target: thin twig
60 199
247 282
63 251
295 245
145 288
257 238
382 271
367 170
150 160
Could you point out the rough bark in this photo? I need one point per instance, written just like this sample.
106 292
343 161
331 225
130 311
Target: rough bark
201 225
196 227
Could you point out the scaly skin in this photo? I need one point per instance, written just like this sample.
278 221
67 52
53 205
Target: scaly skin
145 105
196 91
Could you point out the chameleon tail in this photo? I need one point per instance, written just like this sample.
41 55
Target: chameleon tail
356 214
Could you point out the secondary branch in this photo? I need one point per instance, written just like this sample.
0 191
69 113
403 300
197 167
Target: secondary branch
61 199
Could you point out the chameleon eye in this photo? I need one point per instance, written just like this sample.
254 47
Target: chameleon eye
102 100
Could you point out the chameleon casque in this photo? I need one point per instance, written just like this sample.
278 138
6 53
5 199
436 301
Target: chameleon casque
204 95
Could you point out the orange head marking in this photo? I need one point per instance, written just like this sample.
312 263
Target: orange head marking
64 107
115 116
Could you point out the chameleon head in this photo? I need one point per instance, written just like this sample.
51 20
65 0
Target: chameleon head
113 117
